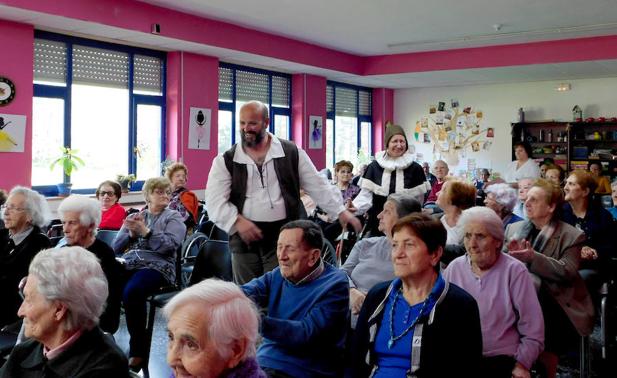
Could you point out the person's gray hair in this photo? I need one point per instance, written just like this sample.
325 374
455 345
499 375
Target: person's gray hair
227 311
405 204
486 217
73 276
89 210
36 205
505 195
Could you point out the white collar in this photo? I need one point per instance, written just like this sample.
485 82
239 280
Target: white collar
401 162
274 151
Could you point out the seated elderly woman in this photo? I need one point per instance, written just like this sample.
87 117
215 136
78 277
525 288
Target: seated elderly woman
80 218
24 213
370 260
582 212
64 295
213 329
182 200
454 197
552 249
147 243
501 198
419 305
113 214
511 317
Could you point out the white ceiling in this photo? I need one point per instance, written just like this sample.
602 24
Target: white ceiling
401 26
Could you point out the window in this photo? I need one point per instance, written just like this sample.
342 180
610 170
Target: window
105 101
349 123
237 86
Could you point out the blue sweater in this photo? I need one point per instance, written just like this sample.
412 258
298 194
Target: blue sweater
305 329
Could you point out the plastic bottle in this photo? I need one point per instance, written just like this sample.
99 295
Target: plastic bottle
549 137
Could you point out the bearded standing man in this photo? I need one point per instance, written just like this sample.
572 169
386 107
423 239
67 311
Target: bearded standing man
254 189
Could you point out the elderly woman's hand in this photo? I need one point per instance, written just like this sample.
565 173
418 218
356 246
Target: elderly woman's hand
520 371
136 225
588 253
521 250
356 298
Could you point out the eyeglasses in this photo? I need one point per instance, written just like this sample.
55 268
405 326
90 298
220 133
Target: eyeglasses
162 192
11 208
21 286
103 194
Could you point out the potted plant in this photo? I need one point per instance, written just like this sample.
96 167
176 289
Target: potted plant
69 161
125 181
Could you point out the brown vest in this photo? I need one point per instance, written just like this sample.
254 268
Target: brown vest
286 169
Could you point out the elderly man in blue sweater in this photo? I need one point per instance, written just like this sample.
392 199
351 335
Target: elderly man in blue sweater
307 300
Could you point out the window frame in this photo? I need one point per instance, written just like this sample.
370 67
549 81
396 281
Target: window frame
64 92
331 115
273 110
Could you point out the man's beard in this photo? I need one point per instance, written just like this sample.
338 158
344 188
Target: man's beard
257 138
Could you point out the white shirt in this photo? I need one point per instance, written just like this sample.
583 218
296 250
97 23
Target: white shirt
528 170
455 234
264 199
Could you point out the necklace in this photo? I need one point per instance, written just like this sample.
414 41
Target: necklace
394 338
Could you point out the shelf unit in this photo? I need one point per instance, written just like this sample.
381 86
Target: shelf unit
547 139
573 144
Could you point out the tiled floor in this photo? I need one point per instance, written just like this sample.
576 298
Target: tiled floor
158 367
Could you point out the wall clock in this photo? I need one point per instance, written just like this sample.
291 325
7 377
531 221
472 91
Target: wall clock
7 91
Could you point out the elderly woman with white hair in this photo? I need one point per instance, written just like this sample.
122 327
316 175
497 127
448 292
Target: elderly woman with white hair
212 329
24 213
64 295
502 198
510 314
80 218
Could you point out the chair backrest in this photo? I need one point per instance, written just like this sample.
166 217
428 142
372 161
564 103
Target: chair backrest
214 260
213 232
106 236
328 253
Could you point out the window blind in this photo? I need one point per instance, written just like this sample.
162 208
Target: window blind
49 61
364 105
346 100
147 74
280 91
252 86
225 84
329 98
104 67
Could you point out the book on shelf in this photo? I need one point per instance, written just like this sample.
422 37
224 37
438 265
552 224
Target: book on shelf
579 164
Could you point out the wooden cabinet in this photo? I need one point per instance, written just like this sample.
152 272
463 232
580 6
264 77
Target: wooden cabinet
573 145
548 139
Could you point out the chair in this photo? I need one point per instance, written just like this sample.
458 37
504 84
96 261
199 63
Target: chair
190 250
213 232
107 236
213 260
328 253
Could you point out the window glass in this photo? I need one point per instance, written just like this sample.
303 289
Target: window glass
224 129
330 143
47 139
281 126
99 132
346 137
148 149
365 142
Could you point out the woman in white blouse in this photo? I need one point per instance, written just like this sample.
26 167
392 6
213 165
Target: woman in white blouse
524 166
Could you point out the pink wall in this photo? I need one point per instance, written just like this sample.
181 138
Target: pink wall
17 42
308 93
192 81
383 111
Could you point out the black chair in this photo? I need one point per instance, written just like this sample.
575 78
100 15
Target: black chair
190 250
106 236
213 261
328 253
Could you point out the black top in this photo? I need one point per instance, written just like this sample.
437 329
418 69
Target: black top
93 355
113 272
451 342
14 263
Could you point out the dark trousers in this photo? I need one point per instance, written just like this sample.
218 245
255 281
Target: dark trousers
497 366
140 284
259 257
